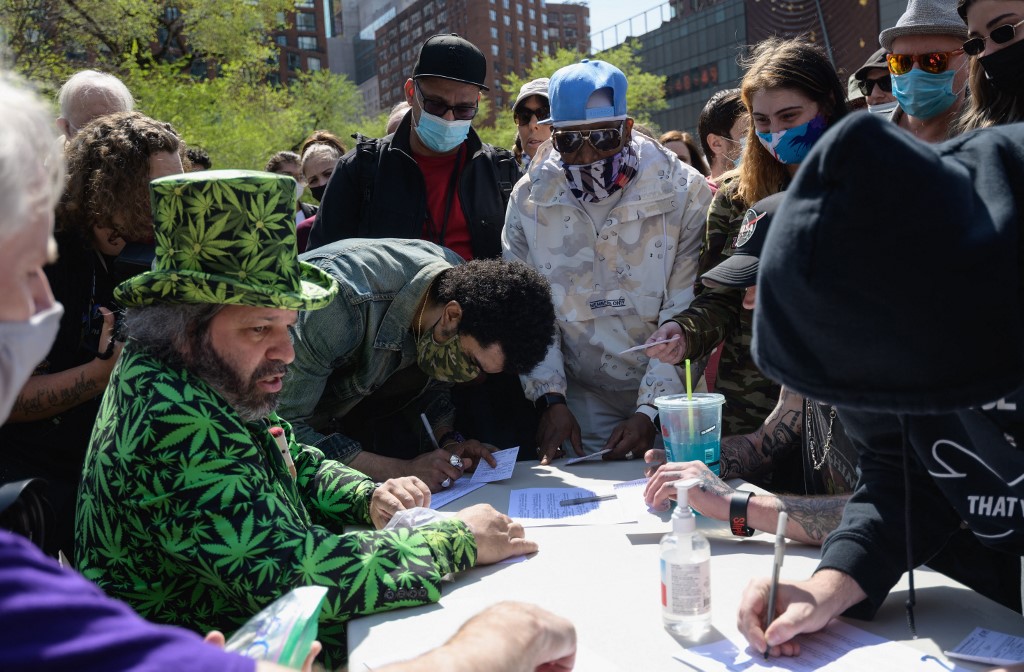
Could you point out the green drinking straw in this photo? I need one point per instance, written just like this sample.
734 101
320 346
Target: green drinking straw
689 397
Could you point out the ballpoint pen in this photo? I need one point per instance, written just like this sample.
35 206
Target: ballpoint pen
780 552
587 500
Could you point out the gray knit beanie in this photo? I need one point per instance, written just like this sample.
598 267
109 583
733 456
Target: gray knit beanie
926 17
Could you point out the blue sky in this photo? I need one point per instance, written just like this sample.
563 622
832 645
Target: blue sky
607 13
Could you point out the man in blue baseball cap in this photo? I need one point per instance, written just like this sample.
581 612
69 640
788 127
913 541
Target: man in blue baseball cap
614 221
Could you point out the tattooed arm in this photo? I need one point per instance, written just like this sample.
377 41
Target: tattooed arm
47 395
753 454
811 518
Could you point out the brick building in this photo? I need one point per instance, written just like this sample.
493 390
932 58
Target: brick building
510 33
303 45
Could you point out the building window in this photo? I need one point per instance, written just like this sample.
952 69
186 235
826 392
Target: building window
533 29
504 3
494 50
304 4
293 61
500 100
305 21
533 14
519 8
554 32
522 42
312 63
508 21
282 40
533 46
569 18
519 25
508 37
554 17
308 43
494 15
494 33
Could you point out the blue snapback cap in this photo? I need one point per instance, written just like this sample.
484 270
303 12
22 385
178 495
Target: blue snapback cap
586 92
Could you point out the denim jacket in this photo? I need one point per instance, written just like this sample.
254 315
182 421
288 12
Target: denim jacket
346 351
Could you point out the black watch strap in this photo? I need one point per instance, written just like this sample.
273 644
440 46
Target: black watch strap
738 514
548 400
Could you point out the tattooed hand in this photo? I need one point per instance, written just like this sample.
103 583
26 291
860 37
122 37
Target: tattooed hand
711 497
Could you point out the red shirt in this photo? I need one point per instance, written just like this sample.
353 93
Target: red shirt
437 174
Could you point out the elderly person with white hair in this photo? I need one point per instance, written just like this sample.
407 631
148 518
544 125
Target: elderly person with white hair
89 94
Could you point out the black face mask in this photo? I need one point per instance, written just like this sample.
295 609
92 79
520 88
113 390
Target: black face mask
318 192
1005 68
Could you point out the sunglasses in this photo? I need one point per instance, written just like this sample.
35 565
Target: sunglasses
933 62
1000 35
524 114
439 108
867 84
601 139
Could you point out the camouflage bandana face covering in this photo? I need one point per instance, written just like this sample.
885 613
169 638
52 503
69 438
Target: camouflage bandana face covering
594 182
444 361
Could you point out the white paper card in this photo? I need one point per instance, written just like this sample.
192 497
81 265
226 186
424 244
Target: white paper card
539 507
459 488
991 647
506 460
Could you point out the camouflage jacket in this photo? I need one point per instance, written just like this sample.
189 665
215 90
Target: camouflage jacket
190 515
613 282
717 316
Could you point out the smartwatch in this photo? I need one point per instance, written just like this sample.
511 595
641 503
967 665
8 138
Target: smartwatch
547 400
738 514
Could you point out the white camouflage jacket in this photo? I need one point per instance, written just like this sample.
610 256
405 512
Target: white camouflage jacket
613 282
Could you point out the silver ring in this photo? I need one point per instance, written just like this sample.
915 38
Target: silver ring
455 461
446 483
629 455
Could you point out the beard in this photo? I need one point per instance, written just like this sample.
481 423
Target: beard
242 394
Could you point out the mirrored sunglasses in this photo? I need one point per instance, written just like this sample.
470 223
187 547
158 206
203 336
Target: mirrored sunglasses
439 108
1000 35
867 84
933 62
601 139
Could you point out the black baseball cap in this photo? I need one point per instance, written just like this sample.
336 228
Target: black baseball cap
451 57
874 62
740 269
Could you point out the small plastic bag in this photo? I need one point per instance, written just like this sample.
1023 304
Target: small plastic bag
410 519
283 632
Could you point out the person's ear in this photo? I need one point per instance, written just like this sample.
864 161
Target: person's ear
715 142
451 317
409 92
64 127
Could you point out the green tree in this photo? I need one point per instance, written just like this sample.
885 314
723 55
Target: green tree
646 92
47 39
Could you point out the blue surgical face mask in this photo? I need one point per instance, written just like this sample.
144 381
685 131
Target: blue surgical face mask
792 145
924 94
441 135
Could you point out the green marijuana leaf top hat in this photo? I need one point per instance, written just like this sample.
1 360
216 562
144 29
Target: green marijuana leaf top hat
227 237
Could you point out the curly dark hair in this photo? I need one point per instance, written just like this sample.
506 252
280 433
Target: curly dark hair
503 302
108 175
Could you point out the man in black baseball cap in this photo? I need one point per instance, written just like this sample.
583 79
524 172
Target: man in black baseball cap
433 179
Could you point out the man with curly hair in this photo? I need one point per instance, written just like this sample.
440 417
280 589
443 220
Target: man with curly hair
105 206
411 319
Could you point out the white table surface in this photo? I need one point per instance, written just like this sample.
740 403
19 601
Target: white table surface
605 580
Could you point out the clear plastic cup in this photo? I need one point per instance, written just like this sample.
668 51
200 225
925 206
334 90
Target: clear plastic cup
692 427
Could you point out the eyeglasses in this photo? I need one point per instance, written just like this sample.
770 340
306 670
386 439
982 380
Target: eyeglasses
1000 35
867 84
933 62
601 139
524 114
439 108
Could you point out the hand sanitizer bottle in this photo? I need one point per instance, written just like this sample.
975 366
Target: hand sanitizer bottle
685 571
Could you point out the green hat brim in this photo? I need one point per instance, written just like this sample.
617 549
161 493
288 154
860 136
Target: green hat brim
184 286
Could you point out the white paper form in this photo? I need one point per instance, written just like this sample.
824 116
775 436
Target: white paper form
990 647
459 488
539 507
506 460
841 647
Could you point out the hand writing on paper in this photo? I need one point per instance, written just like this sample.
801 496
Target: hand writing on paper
672 352
472 452
395 495
631 438
801 606
434 467
497 536
557 424
711 498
